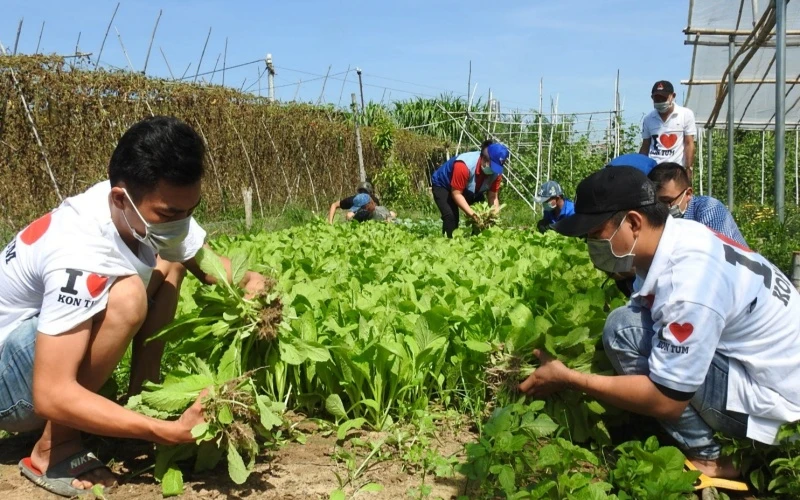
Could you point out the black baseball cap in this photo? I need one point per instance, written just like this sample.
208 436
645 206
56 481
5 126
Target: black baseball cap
662 87
604 193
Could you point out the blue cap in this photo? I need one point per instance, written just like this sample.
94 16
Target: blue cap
548 190
360 201
635 160
499 154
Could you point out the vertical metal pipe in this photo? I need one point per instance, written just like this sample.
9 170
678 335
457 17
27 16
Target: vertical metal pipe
780 106
731 106
710 146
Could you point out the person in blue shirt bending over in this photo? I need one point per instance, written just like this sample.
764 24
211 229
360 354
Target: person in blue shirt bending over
675 190
554 205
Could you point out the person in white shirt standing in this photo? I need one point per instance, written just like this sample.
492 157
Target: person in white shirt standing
709 343
81 283
669 130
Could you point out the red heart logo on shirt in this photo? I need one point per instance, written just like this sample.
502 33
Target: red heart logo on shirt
96 284
668 140
681 331
36 230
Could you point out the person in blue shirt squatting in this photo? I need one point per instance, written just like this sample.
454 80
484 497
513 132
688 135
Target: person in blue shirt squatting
554 205
466 179
674 188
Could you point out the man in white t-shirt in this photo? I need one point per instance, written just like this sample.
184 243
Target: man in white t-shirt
80 283
711 340
669 130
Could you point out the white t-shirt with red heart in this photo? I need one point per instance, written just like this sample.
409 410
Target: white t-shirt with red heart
667 137
62 265
706 293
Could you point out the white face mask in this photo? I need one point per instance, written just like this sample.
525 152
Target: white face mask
675 210
663 107
159 237
603 257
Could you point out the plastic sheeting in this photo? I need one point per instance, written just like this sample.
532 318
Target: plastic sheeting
710 27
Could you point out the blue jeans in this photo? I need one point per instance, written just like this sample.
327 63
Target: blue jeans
627 338
16 380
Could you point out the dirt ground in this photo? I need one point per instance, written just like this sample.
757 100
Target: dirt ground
294 471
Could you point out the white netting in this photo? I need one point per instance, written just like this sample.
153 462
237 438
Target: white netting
711 22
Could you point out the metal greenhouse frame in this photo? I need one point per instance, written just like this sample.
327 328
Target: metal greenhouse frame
743 51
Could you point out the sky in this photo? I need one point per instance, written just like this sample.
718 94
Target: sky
404 48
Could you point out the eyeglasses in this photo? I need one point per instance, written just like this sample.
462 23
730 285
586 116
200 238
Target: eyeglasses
672 201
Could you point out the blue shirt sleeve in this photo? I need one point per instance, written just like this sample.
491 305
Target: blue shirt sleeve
713 214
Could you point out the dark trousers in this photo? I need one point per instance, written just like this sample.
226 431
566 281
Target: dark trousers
448 208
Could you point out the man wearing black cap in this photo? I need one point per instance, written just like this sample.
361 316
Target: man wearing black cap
668 131
709 343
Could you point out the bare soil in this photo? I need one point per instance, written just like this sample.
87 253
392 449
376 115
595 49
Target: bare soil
293 471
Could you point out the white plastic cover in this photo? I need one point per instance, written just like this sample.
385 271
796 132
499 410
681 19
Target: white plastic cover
754 91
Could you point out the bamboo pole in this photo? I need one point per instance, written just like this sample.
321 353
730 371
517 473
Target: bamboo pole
108 28
249 164
203 53
33 127
40 39
150 45
211 159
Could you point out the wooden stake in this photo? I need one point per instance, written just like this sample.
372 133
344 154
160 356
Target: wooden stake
247 194
278 157
297 91
224 61
130 64
321 94
150 46
213 163
362 173
167 62
16 40
183 76
252 170
99 54
201 56
40 39
214 72
344 82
